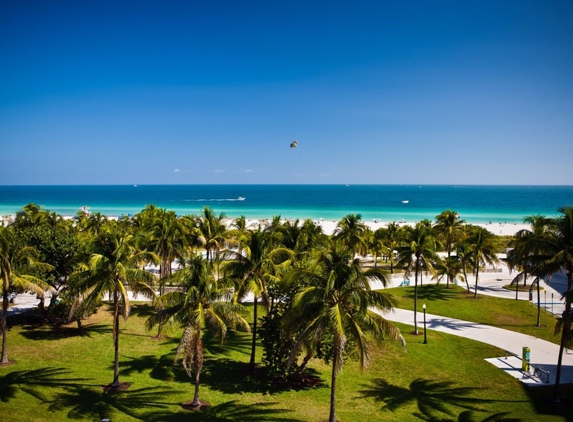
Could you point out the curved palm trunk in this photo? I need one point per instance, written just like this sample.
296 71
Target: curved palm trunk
254 340
116 338
197 366
564 333
466 277
564 336
335 358
4 322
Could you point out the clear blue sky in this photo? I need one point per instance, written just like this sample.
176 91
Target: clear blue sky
154 92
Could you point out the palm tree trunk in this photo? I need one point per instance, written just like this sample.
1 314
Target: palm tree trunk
564 336
448 274
538 303
254 340
4 323
477 278
516 288
466 277
116 338
416 299
198 364
332 415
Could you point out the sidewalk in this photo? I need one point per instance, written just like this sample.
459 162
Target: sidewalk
543 353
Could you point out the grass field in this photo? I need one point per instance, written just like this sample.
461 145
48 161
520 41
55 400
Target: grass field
58 375
456 302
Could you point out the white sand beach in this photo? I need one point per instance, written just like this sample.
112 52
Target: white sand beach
328 226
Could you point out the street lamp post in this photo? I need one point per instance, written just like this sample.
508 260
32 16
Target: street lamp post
425 339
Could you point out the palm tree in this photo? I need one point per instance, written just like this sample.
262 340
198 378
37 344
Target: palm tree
419 250
450 228
527 253
213 231
17 266
165 236
340 302
483 246
464 255
200 303
560 258
252 268
392 234
351 230
114 267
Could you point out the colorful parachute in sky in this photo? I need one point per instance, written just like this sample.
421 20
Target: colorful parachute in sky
294 144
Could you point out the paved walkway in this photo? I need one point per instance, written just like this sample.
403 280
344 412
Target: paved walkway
543 353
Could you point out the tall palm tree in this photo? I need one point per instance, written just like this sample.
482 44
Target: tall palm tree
393 234
560 258
483 246
17 268
528 252
114 267
419 250
464 255
252 268
340 302
450 228
201 303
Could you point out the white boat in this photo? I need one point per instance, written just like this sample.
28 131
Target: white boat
405 201
240 198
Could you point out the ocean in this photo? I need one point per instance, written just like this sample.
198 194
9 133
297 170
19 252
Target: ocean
475 204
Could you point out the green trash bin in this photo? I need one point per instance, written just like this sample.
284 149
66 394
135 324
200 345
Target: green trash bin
525 359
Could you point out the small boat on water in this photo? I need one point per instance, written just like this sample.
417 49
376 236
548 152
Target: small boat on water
240 198
405 201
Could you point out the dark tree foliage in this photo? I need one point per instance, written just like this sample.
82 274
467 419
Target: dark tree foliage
55 246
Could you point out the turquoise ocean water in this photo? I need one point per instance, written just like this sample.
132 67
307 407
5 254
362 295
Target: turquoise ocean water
475 204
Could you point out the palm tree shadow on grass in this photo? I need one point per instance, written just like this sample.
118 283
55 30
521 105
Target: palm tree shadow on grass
159 367
231 411
434 399
33 382
58 333
431 292
469 416
235 342
230 377
93 403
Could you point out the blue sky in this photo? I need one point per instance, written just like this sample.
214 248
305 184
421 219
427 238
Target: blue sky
161 92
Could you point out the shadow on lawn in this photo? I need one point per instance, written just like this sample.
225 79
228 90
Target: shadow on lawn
231 411
230 377
93 403
160 367
434 399
58 333
542 399
33 382
431 292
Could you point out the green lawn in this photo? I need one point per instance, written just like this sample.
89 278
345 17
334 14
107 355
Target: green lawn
456 302
58 375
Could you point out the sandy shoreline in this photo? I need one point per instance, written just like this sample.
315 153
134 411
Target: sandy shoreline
328 226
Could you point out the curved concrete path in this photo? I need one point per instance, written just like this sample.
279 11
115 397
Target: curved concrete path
543 353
